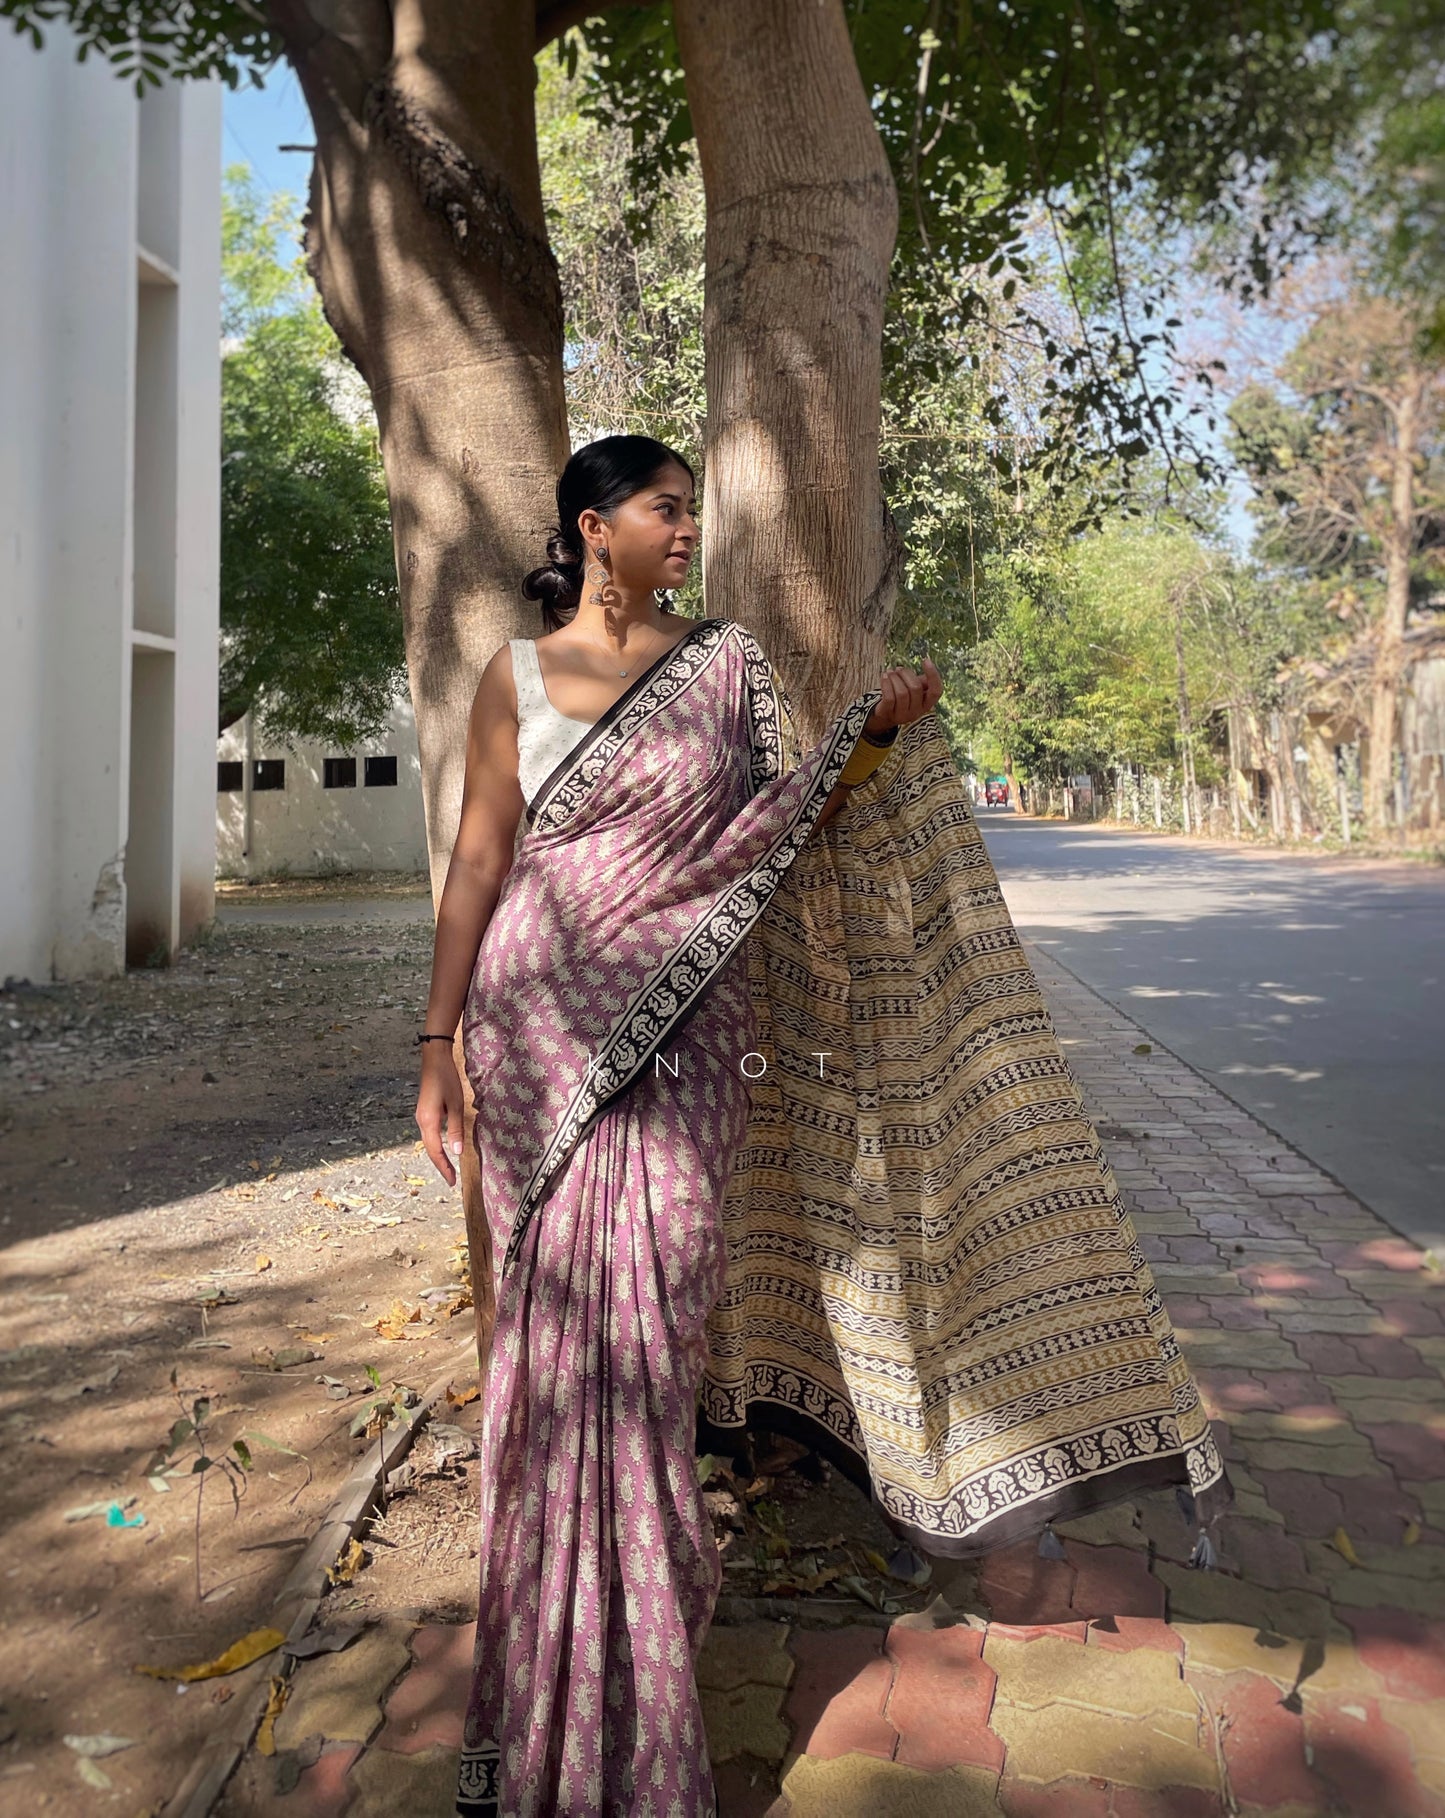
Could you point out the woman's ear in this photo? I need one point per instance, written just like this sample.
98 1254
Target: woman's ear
593 530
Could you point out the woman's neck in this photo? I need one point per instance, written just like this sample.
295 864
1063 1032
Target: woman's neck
621 625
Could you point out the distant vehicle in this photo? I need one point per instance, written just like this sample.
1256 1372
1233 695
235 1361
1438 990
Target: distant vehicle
995 791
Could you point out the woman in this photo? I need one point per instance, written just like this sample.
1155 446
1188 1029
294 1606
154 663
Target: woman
767 1119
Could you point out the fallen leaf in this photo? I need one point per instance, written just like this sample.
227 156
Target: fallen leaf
394 1325
98 1746
263 1263
1411 1535
93 1775
254 1646
466 1398
1144 1047
348 1563
209 1344
1345 1547
275 1704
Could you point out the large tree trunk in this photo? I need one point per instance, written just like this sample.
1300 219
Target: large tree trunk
801 218
1389 653
428 244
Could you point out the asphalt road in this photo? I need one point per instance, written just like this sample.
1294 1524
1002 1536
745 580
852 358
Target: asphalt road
1311 991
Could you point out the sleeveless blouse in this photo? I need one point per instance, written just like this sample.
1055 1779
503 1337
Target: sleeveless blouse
544 736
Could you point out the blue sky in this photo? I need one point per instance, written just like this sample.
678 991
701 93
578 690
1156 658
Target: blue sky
258 120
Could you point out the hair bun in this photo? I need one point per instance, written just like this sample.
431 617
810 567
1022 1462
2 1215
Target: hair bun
561 554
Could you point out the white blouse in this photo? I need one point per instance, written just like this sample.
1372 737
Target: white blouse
544 736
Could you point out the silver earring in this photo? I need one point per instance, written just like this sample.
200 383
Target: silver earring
603 592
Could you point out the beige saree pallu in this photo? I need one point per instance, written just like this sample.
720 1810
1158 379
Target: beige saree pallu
931 1277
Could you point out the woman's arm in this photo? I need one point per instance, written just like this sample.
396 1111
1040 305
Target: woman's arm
492 807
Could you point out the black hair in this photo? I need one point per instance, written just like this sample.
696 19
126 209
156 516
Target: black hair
603 475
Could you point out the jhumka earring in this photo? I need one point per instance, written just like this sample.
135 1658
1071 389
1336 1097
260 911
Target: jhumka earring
603 592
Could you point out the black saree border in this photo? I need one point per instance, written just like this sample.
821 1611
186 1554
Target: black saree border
601 727
666 1000
1079 1496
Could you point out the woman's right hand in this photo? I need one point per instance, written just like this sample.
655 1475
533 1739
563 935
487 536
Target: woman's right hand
439 1109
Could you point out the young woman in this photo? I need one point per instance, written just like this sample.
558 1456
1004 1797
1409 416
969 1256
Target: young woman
771 1123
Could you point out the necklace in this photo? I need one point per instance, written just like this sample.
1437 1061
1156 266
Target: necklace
591 640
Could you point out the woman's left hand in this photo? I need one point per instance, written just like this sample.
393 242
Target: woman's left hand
906 697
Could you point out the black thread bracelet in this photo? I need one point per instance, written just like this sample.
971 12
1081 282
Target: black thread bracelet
432 1038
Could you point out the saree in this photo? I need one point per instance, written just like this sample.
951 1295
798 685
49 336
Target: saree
772 1128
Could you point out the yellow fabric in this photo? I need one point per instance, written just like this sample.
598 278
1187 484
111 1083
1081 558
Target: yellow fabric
866 759
929 1262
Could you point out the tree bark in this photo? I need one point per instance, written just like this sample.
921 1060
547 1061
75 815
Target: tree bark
428 245
427 242
801 218
1389 653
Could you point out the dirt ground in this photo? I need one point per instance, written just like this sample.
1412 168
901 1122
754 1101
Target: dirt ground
209 1170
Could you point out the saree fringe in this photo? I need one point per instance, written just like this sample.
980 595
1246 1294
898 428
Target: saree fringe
932 1277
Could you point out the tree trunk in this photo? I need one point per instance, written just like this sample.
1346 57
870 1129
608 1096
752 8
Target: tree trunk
427 241
801 217
1399 541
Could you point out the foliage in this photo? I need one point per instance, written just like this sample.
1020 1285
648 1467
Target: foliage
148 40
310 626
1047 156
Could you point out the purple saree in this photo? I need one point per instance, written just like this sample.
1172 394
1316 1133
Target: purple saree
772 1128
604 1034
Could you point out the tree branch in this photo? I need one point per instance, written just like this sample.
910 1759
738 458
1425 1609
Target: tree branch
557 16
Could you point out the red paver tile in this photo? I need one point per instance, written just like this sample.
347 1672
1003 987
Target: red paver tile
839 1694
1113 1581
1264 1555
1383 1356
1068 1798
1294 1391
1024 1589
1166 1802
1122 1634
1415 1449
1367 1763
1330 1355
1310 1507
430 1700
745 1788
1416 1317
323 1790
1189 1310
941 1699
1371 1511
1407 1652
1238 1391
1264 1743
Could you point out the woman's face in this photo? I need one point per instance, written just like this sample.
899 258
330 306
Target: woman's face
652 537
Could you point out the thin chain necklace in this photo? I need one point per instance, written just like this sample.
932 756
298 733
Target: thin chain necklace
592 640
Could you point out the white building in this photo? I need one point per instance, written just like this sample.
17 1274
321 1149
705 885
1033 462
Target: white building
109 511
317 809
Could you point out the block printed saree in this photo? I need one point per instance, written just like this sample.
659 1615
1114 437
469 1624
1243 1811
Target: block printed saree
773 1128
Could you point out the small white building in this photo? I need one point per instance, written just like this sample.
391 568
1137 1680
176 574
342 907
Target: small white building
315 810
109 511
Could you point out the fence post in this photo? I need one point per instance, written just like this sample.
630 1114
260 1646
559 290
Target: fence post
1344 807
1158 803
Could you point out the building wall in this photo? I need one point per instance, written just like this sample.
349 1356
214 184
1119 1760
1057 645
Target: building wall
306 829
109 511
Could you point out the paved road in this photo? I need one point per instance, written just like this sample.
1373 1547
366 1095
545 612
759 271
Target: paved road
1311 991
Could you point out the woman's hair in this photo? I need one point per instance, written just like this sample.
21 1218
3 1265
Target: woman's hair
603 475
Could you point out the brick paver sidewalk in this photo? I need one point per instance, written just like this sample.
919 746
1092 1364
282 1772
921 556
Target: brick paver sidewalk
1306 1677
